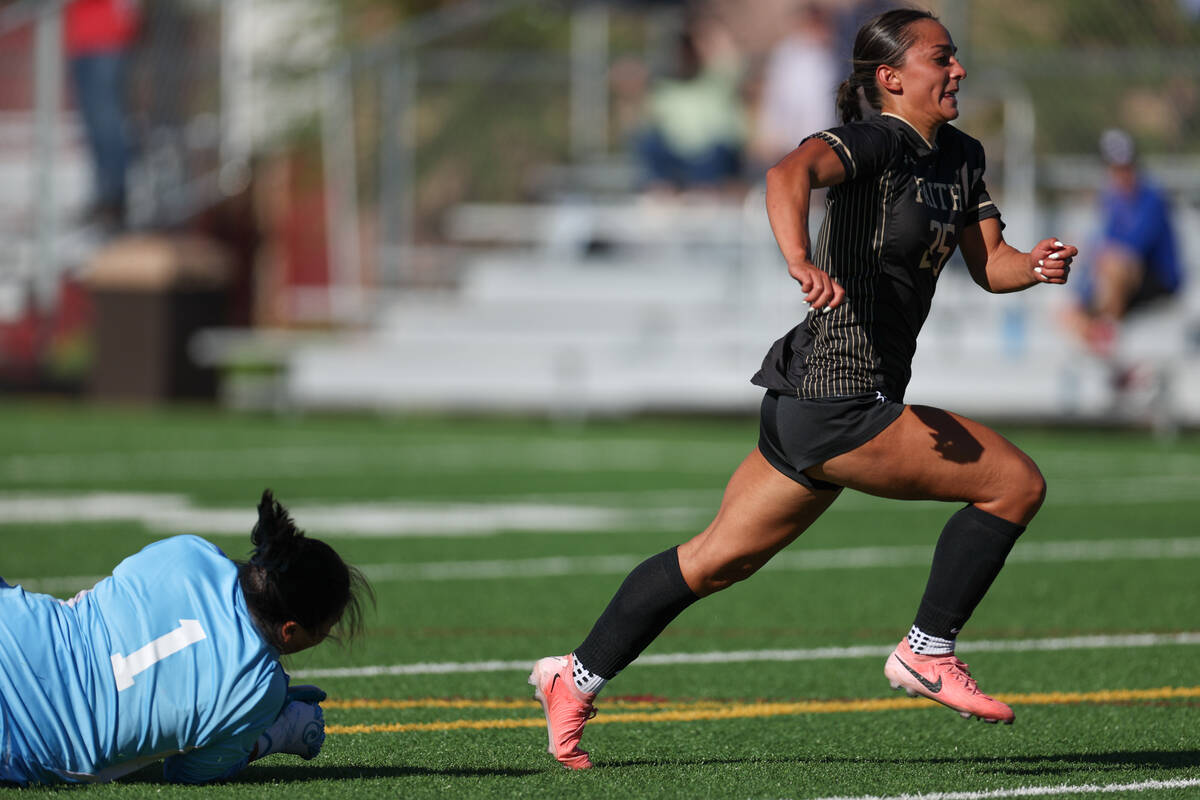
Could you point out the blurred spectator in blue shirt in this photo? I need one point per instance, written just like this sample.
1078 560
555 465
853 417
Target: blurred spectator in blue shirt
1137 260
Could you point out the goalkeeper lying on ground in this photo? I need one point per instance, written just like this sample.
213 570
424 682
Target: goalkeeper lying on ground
174 656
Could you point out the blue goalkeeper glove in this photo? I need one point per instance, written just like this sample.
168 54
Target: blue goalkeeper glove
299 729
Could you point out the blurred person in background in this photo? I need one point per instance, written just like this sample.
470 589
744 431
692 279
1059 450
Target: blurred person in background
98 35
848 17
692 134
906 189
175 656
1136 262
799 83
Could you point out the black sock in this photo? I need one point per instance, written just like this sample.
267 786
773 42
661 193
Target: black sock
968 556
653 594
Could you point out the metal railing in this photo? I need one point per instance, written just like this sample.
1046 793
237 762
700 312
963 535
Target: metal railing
177 119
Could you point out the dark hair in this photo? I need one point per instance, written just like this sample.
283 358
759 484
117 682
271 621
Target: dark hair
291 577
884 39
687 57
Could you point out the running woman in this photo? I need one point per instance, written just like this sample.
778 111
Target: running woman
175 656
906 189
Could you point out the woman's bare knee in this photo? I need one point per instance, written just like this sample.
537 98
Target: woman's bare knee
712 578
761 513
711 562
1033 494
1021 493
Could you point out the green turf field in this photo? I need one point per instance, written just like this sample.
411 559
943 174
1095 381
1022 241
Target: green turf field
491 543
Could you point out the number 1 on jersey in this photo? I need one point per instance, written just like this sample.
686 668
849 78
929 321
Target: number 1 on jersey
125 667
939 252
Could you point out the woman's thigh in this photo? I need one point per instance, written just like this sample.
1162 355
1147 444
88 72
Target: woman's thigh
931 454
761 512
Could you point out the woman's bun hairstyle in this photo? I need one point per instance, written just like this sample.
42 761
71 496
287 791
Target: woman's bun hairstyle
291 577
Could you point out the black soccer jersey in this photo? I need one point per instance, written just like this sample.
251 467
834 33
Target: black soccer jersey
889 229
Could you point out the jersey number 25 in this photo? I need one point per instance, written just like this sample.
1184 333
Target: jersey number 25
939 252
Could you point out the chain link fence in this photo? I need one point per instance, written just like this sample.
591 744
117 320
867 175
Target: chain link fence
481 130
1093 64
516 102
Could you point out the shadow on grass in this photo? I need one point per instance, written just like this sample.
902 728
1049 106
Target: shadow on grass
305 774
1031 765
282 773
1069 762
1014 765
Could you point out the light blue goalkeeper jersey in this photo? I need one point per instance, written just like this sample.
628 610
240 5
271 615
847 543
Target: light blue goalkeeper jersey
159 660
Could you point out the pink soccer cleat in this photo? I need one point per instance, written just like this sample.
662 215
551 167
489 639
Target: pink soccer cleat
944 679
567 709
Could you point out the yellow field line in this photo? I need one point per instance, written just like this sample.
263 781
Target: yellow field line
426 702
712 710
465 702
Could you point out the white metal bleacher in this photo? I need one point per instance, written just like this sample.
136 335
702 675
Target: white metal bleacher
609 309
19 206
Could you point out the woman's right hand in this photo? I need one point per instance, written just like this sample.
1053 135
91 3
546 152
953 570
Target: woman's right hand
821 291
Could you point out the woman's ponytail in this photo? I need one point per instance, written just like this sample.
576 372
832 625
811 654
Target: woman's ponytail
849 106
275 537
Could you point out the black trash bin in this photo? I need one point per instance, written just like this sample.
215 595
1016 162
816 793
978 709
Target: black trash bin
151 293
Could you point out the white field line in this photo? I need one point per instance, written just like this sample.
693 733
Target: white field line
797 560
748 656
605 511
173 514
1075 790
530 453
486 454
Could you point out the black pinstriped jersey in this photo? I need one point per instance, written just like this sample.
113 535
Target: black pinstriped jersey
889 229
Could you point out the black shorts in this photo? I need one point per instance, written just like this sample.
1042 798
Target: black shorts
796 434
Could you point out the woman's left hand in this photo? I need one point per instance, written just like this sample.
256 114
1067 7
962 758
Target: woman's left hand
1051 260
